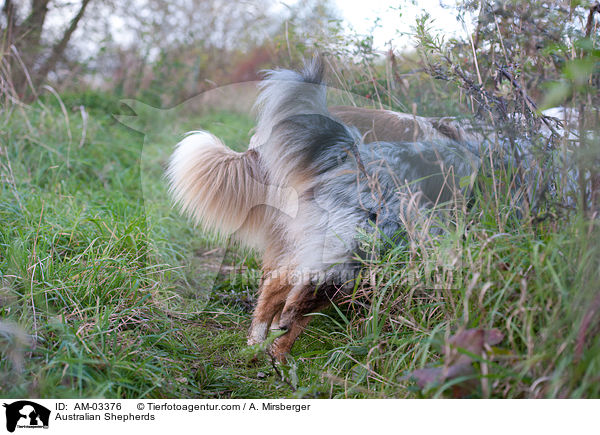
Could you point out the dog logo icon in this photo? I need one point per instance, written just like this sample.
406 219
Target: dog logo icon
26 414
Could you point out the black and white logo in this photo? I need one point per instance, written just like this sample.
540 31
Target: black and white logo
26 414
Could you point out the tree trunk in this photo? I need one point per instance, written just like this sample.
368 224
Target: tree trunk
26 38
59 48
30 32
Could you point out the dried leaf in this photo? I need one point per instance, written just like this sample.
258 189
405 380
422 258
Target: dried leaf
457 363
427 376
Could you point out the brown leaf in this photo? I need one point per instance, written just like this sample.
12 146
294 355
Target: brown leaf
472 341
493 336
436 375
427 376
456 362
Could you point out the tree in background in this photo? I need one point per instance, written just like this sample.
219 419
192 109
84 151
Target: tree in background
161 50
182 47
31 55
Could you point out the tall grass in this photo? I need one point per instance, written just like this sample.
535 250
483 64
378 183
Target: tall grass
538 286
103 291
84 309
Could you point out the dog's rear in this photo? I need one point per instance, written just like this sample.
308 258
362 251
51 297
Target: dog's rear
220 189
242 194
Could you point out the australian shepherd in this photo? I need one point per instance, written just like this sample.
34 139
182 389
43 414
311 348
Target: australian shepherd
313 179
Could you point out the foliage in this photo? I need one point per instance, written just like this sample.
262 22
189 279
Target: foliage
88 311
106 291
518 52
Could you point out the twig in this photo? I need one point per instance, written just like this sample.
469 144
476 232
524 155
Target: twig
590 20
359 161
530 103
84 120
24 68
284 379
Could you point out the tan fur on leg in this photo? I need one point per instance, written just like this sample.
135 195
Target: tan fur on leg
282 345
275 321
271 300
301 300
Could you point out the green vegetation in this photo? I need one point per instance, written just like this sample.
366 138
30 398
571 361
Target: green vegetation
106 291
86 309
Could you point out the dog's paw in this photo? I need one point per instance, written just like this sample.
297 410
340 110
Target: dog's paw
253 341
278 355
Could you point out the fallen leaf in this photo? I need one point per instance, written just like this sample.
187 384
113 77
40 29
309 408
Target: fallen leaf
457 361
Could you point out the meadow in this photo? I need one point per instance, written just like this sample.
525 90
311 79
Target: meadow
105 291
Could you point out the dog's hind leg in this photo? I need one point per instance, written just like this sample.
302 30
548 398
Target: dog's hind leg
302 300
282 345
271 300
275 321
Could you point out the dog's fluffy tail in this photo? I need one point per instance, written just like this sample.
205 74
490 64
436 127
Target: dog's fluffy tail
220 189
297 136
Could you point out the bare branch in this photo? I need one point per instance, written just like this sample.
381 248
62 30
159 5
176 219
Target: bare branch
59 48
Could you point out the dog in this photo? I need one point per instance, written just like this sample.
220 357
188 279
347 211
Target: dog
312 179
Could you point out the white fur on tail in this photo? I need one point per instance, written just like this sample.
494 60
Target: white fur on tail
225 191
213 185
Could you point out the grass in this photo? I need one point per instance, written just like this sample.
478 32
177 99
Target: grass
106 292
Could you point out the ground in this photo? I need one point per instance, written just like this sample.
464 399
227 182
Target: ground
88 308
107 292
